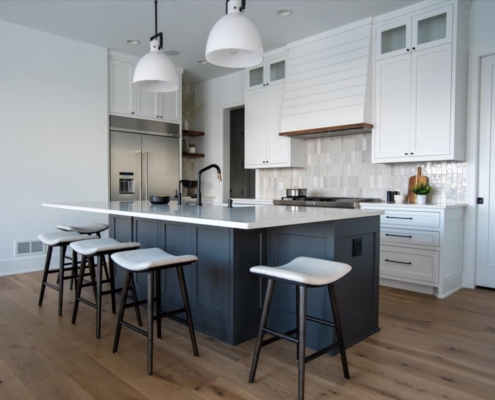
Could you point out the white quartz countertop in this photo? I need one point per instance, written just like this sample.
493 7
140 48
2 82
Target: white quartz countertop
239 217
411 205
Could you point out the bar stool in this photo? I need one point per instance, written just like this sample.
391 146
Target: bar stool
62 240
91 229
303 272
99 248
153 261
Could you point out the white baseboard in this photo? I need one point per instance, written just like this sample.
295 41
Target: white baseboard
413 287
22 265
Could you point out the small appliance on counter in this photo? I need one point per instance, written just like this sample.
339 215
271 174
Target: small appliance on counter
159 199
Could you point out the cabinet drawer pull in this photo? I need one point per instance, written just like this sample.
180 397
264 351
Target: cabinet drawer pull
399 217
398 262
403 236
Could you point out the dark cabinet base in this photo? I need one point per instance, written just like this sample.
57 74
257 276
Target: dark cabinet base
226 298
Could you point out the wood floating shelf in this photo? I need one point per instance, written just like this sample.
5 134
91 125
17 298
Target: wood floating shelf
192 133
330 131
193 155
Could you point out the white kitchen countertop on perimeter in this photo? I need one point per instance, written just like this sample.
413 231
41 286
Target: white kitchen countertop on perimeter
239 217
412 206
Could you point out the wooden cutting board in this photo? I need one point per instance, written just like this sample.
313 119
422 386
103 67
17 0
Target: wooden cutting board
414 180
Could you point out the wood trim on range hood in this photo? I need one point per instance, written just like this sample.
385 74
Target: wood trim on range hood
340 130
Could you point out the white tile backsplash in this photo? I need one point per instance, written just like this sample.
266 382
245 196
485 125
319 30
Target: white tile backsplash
341 166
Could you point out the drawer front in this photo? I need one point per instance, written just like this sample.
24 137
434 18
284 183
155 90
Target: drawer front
407 236
423 219
400 262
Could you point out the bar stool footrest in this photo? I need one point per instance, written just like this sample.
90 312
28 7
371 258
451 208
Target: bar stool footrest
134 328
168 314
279 335
87 302
321 352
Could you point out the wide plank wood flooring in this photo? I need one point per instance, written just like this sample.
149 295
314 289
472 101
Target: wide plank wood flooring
427 349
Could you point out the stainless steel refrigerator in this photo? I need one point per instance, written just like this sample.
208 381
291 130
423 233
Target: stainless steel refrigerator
144 158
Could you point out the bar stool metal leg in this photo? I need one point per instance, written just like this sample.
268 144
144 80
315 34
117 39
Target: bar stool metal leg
112 285
45 274
92 274
158 296
185 299
74 269
135 298
63 248
123 300
150 321
264 318
297 321
338 329
79 284
99 278
302 341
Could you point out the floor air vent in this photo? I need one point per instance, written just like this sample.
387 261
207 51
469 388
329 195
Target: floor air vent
28 247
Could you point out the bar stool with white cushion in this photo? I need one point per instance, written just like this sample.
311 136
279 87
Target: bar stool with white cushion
153 261
99 248
94 228
91 229
62 240
303 272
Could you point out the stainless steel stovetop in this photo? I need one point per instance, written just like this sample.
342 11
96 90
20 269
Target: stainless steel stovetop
336 202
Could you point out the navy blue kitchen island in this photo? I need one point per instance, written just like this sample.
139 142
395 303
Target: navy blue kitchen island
225 297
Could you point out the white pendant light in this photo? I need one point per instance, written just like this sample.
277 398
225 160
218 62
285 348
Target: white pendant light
234 41
155 72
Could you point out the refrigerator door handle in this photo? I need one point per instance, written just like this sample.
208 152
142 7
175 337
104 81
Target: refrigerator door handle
147 173
140 173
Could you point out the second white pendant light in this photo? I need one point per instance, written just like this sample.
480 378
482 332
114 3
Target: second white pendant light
155 72
234 41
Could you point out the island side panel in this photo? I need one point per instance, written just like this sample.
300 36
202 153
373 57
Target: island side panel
330 241
249 249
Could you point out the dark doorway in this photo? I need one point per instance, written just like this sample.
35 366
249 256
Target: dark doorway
242 181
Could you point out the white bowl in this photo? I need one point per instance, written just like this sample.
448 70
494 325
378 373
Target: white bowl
400 198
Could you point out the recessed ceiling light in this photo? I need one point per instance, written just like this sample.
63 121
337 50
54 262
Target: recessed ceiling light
133 41
203 62
171 52
284 12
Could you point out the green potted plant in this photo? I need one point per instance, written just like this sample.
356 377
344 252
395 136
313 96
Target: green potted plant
192 147
421 190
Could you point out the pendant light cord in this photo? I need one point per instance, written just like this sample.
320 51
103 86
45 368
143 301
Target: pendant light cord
157 35
156 17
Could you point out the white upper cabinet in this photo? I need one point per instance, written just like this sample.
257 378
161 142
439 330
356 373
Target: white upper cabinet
420 86
124 99
393 39
270 72
431 82
432 28
393 106
122 94
264 147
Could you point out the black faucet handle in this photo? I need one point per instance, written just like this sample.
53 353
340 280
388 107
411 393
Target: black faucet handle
231 202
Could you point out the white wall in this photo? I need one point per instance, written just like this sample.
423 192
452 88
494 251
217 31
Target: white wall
53 135
212 97
481 43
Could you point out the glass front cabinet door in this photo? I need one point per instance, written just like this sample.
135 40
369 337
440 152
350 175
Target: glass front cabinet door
275 70
433 28
270 72
393 39
255 77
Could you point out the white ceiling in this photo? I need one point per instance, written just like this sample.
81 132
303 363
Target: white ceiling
185 23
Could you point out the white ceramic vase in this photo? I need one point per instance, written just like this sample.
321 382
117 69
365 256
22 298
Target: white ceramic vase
192 149
186 127
421 198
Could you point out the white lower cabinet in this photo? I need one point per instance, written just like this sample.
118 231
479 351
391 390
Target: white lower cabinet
421 247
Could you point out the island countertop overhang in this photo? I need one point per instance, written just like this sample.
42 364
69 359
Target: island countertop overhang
246 217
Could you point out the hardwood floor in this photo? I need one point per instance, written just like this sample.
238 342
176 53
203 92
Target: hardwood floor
427 349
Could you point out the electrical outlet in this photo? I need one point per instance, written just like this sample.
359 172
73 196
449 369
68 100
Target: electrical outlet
280 186
357 247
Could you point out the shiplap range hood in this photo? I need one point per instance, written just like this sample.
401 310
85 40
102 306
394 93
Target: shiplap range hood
328 84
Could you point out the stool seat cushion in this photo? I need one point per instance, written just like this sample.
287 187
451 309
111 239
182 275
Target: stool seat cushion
306 271
60 238
84 229
96 246
145 259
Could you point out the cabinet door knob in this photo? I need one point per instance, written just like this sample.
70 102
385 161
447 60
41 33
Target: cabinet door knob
132 112
405 154
412 154
267 84
407 49
414 48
